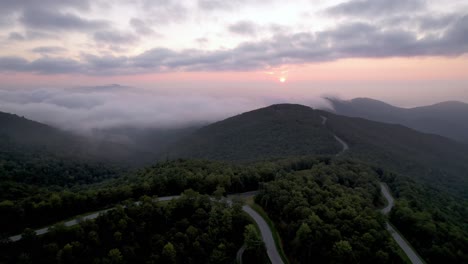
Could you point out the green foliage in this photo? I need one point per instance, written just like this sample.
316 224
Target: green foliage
439 162
433 221
252 239
277 131
327 214
191 229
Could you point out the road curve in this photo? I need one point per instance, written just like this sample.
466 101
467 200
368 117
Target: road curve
265 231
342 142
266 234
239 254
412 255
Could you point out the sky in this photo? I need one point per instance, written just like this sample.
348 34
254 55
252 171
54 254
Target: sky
82 64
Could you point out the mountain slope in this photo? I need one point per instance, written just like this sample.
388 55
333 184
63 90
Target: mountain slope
449 119
271 132
436 160
295 130
21 135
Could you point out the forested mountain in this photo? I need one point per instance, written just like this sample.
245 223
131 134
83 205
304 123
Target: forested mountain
149 140
438 161
295 130
275 131
20 135
449 119
35 158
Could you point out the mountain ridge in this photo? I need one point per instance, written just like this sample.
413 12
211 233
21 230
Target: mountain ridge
449 118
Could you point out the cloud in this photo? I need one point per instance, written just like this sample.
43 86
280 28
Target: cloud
62 21
30 35
43 65
115 37
243 28
141 27
16 36
49 50
215 4
376 7
83 109
222 5
164 11
347 40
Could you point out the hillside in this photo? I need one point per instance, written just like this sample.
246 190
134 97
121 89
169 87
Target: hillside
271 132
449 119
436 160
24 136
34 156
295 130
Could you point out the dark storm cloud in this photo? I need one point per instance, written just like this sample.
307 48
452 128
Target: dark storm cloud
350 40
53 20
375 7
243 28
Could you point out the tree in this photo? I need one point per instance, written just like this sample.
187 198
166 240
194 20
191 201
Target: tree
169 253
115 256
252 239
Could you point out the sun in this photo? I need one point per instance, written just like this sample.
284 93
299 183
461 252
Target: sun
282 79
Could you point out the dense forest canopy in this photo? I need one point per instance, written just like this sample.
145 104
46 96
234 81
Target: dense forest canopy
292 190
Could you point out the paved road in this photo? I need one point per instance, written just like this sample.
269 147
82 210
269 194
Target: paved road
388 197
343 144
412 255
266 233
267 236
85 217
239 254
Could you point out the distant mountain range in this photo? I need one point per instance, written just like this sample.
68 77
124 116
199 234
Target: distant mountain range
449 119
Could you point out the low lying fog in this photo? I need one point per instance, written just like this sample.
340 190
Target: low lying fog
83 109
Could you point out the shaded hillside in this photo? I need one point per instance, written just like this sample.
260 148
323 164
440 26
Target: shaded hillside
271 132
24 136
149 140
449 119
438 161
34 156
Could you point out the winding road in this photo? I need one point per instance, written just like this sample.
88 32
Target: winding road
409 251
265 231
267 236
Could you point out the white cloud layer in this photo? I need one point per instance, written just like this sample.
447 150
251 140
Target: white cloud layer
86 108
